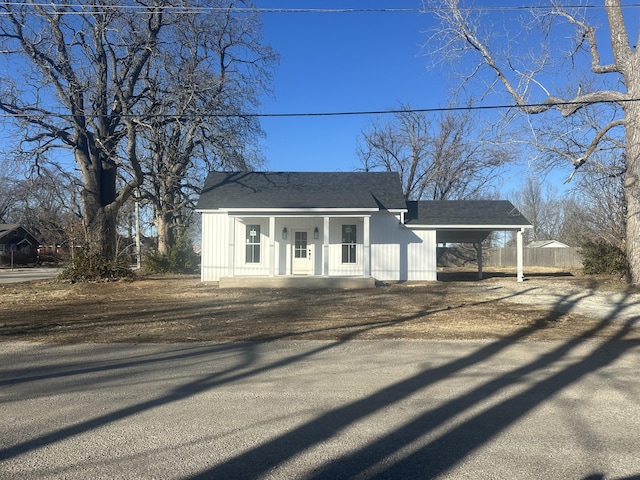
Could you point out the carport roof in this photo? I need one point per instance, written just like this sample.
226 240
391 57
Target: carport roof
487 214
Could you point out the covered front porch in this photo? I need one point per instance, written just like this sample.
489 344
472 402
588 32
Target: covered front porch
297 245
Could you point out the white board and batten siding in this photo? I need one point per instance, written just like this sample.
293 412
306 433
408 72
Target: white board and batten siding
336 267
215 257
423 256
385 247
226 243
397 253
241 267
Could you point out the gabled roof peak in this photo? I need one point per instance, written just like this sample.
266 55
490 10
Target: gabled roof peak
332 190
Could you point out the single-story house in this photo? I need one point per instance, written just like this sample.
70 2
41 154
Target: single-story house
335 225
18 243
547 244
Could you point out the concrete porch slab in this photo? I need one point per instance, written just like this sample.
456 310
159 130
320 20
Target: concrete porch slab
298 282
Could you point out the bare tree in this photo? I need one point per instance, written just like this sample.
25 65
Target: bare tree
435 160
596 209
7 199
199 100
541 205
83 79
77 87
522 78
46 204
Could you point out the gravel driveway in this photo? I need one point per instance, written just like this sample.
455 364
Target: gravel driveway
565 297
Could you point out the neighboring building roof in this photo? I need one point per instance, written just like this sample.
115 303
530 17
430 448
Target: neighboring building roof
250 190
470 213
547 244
7 232
7 228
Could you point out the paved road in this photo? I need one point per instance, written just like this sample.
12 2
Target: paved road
27 274
310 409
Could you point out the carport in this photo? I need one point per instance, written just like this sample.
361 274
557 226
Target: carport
470 221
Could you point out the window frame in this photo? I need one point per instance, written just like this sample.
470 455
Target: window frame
296 249
349 244
253 248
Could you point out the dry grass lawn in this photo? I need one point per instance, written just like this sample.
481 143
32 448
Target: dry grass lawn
182 309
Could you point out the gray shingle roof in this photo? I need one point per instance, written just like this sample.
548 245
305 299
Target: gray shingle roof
8 229
465 212
302 190
4 227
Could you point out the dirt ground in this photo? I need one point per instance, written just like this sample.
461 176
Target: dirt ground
182 309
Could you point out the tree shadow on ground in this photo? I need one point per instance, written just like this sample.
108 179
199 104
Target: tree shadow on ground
375 460
243 370
379 458
472 276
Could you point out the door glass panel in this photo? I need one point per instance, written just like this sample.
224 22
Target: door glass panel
300 248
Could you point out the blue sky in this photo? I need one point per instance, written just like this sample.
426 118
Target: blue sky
349 62
338 62
362 61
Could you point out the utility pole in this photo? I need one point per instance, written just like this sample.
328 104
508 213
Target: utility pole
138 247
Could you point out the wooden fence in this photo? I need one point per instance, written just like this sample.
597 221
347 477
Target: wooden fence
506 257
533 257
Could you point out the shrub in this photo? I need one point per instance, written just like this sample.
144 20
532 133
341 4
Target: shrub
86 266
600 257
180 259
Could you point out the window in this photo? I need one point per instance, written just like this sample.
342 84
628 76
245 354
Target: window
253 244
348 244
300 247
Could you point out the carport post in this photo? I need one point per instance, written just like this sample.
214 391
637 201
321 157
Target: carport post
519 262
479 260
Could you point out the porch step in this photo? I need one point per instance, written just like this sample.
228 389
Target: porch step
298 282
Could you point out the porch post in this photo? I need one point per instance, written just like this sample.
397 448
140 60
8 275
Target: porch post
479 260
325 247
272 246
231 254
520 255
367 248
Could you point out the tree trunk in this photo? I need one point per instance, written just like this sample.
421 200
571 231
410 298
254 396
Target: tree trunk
632 191
100 228
633 226
99 208
632 173
163 223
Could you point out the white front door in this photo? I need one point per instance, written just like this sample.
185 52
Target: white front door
302 255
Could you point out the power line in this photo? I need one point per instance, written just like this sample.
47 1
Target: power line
431 110
201 9
343 113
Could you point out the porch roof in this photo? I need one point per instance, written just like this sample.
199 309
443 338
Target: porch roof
303 190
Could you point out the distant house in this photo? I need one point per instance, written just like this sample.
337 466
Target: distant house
547 244
17 243
290 225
